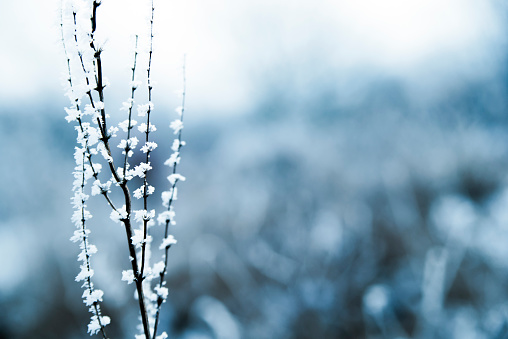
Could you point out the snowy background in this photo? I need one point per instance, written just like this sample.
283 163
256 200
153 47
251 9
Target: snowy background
346 167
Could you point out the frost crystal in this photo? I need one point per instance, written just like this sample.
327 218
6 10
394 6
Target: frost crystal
149 147
93 297
176 145
138 238
162 292
138 193
91 249
167 216
166 242
141 169
176 126
150 190
98 187
158 268
173 178
126 105
134 84
84 273
112 131
144 127
72 114
99 105
104 152
118 215
143 109
78 235
141 215
94 326
128 276
174 159
124 125
166 196
130 144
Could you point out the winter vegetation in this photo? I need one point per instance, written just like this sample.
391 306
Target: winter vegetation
87 88
346 166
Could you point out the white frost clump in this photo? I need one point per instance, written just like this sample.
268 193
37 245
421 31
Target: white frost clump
112 131
138 193
173 178
143 109
163 335
135 83
167 216
92 297
128 275
158 268
166 196
176 145
150 190
140 215
85 273
144 127
161 292
124 125
95 326
91 249
140 170
78 235
131 143
72 114
166 242
149 147
174 159
104 152
99 188
127 105
179 110
118 215
138 239
176 125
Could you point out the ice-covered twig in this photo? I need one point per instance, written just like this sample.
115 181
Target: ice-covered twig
146 189
91 296
94 137
168 197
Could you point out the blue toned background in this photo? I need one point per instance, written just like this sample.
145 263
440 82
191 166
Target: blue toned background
346 167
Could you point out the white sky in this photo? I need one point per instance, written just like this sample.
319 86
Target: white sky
230 42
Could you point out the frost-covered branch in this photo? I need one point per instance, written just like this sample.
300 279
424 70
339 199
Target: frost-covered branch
147 190
86 80
168 217
91 296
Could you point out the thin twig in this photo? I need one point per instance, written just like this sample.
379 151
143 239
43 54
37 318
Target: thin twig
129 126
89 93
86 151
122 183
147 159
162 275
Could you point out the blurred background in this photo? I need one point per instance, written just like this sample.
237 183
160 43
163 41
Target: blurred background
346 167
